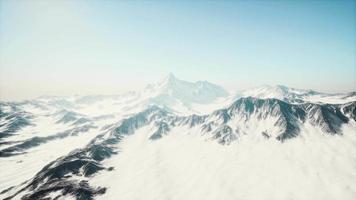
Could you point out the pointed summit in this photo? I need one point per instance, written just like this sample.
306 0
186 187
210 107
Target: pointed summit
172 91
170 81
170 78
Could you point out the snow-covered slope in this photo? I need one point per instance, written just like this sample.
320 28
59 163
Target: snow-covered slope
248 120
182 166
180 140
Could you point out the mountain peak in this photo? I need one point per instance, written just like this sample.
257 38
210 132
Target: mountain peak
280 92
273 87
169 80
172 91
171 77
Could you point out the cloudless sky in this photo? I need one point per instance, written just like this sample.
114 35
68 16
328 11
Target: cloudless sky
86 47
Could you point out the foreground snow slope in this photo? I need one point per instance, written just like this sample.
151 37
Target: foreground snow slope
181 166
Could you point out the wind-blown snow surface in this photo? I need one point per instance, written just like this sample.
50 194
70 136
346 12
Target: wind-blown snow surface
180 140
181 166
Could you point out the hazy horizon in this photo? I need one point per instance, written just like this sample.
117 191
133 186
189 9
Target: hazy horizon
141 88
107 47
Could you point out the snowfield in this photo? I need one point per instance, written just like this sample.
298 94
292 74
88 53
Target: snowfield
181 166
181 140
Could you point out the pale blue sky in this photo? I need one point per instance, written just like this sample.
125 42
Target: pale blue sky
85 47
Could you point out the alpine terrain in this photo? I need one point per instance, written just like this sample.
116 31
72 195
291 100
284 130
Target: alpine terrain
181 140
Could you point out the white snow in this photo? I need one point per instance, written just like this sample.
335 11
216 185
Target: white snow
187 163
17 169
292 94
183 166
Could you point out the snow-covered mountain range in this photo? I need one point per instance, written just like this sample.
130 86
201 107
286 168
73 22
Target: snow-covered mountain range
177 134
293 95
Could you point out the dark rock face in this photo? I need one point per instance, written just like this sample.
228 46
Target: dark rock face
81 190
13 120
222 115
350 110
56 177
36 141
69 117
192 120
288 115
224 135
289 118
163 128
17 119
328 117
